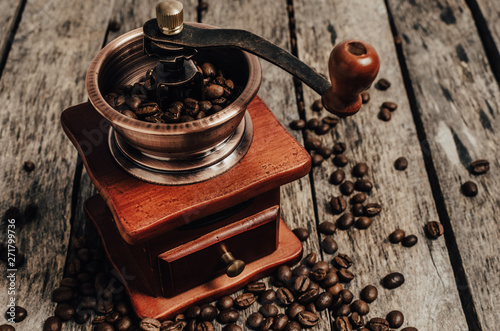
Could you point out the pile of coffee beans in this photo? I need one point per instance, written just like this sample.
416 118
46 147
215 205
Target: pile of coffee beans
478 167
144 99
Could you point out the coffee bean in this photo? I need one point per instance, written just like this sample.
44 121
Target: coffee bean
409 241
209 312
307 319
294 309
337 177
122 308
82 317
363 222
280 322
363 185
308 296
301 233
360 169
268 296
358 198
340 160
434 230
409 328
330 279
322 129
298 124
392 106
360 307
365 96
369 293
327 228
284 274
52 323
99 319
325 152
342 310
301 284
347 187
245 300
469 189
284 296
329 245
343 261
395 319
113 317
6 327
231 327
256 288
346 296
385 115
339 148
203 326
373 209
124 324
479 167
338 204
317 105
342 324
105 327
401 163
313 123
332 121
194 311
149 324
208 69
345 221
397 236
268 310
62 294
383 84
227 302
255 320
228 316
345 275
314 285
312 144
267 324
28 166
323 301
316 160
311 258
114 26
64 311
19 314
356 320
358 209
393 280
335 289
293 326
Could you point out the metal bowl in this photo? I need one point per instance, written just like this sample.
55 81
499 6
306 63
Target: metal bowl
123 62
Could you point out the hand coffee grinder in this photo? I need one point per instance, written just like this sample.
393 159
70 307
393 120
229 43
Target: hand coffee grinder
189 212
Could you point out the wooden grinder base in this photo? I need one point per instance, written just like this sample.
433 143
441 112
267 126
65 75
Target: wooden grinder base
120 254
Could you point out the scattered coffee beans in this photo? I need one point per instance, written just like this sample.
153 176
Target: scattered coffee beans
345 221
397 236
409 241
378 324
114 26
372 209
369 293
322 129
19 314
52 323
327 228
347 187
337 177
360 169
392 106
358 198
268 310
301 233
363 222
401 163
385 115
340 160
342 323
469 189
434 230
329 245
317 159
298 124
393 280
325 152
317 105
395 319
361 307
383 84
363 185
6 327
268 296
346 296
365 96
313 123
479 167
228 316
311 258
255 320
256 288
332 121
338 204
409 328
339 148
28 166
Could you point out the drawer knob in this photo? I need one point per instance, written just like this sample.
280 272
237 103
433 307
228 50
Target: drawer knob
234 267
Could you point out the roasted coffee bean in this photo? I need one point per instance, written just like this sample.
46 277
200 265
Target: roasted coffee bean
343 260
397 236
332 121
267 324
206 105
301 271
331 278
363 222
325 152
82 317
316 160
338 204
356 320
124 324
395 319
280 322
358 209
369 293
365 96
409 328
62 294
298 124
268 310
307 319
228 316
19 314
64 311
337 177
385 115
383 84
284 274
75 266
227 302
133 102
311 258
317 105
340 160
256 288
213 91
409 241
342 324
294 309
363 185
255 320
358 198
99 319
245 300
323 301
205 326
469 189
231 327
308 296
194 311
313 123
339 148
378 324
329 245
285 297
293 326
313 285
401 164
208 312
434 230
479 167
28 166
113 317
345 221
360 307
342 310
105 327
208 69
268 296
122 308
372 209
301 233
322 129
346 296
114 26
393 280
150 324
327 228
312 144
392 106
301 284
319 270
345 275
335 289
347 187
360 169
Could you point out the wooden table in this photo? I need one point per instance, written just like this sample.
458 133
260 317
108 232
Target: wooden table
443 61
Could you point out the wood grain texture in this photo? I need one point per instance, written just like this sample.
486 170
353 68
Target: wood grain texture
406 197
11 10
277 91
44 74
459 107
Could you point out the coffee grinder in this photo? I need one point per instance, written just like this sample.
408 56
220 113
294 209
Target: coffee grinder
189 212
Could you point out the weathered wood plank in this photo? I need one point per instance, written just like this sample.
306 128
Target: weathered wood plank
11 10
44 74
458 101
406 196
277 91
486 14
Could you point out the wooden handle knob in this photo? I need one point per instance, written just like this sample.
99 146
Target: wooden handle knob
233 267
353 66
